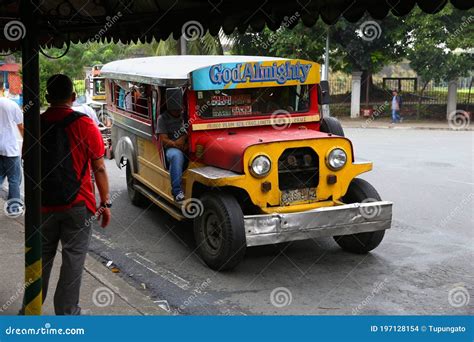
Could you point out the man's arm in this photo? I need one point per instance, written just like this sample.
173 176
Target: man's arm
21 128
102 182
180 143
167 142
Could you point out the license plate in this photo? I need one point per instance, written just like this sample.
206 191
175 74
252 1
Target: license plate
298 195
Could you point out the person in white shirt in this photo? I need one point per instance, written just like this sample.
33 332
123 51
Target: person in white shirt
11 122
86 109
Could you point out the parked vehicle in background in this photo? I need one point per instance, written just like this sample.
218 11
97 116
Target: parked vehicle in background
264 166
95 99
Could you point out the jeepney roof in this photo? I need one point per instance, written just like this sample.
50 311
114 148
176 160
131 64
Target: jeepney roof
169 70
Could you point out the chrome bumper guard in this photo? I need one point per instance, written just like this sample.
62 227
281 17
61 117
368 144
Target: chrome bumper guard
329 221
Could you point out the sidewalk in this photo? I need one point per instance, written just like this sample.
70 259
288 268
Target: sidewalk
406 124
112 294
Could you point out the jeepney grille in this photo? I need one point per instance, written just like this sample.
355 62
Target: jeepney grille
298 168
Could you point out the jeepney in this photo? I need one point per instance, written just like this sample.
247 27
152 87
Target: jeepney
95 84
95 98
264 166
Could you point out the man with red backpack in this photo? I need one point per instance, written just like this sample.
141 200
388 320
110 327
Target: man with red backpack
71 146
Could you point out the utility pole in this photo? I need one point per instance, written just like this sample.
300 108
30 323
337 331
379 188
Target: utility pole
32 299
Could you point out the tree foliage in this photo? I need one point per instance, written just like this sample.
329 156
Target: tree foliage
439 44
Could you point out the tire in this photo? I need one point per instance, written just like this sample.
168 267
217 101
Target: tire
331 125
361 243
220 232
134 195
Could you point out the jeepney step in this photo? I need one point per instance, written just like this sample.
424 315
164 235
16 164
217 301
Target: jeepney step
163 204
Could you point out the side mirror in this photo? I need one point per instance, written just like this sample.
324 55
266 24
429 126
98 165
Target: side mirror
174 99
323 93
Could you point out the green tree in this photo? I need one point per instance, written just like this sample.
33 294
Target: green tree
439 45
296 42
206 45
350 49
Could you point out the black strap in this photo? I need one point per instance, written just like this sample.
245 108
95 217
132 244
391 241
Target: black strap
66 122
71 118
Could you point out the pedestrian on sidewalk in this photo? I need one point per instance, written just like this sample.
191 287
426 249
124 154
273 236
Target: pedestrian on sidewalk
71 146
396 106
11 122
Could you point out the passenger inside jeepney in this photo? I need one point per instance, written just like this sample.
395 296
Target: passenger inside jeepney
174 139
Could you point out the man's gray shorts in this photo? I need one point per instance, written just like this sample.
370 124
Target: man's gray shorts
73 228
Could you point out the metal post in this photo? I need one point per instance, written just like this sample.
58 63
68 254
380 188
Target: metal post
326 58
325 108
182 46
32 300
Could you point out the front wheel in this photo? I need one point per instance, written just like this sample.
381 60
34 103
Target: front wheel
219 231
361 243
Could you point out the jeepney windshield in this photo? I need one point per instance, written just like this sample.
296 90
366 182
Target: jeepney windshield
252 101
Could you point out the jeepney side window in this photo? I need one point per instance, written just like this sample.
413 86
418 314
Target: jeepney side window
133 98
112 91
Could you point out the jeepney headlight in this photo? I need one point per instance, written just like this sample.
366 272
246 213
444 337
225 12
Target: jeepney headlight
336 159
260 166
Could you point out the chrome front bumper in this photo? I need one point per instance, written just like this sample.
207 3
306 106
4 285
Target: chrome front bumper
329 221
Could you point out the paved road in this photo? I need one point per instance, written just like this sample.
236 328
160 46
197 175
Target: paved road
423 266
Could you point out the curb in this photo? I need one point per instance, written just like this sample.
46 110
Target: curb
413 128
134 298
348 124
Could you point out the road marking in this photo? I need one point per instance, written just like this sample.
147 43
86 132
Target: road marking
103 240
455 181
161 271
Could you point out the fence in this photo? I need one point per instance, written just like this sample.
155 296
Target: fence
410 88
434 95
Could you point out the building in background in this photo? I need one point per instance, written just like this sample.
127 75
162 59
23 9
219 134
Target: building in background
11 79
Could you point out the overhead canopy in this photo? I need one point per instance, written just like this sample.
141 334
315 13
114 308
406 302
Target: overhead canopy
133 20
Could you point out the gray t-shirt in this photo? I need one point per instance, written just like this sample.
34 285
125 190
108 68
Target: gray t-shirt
171 125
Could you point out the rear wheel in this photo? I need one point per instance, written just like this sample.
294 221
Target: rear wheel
331 125
135 196
361 243
220 232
